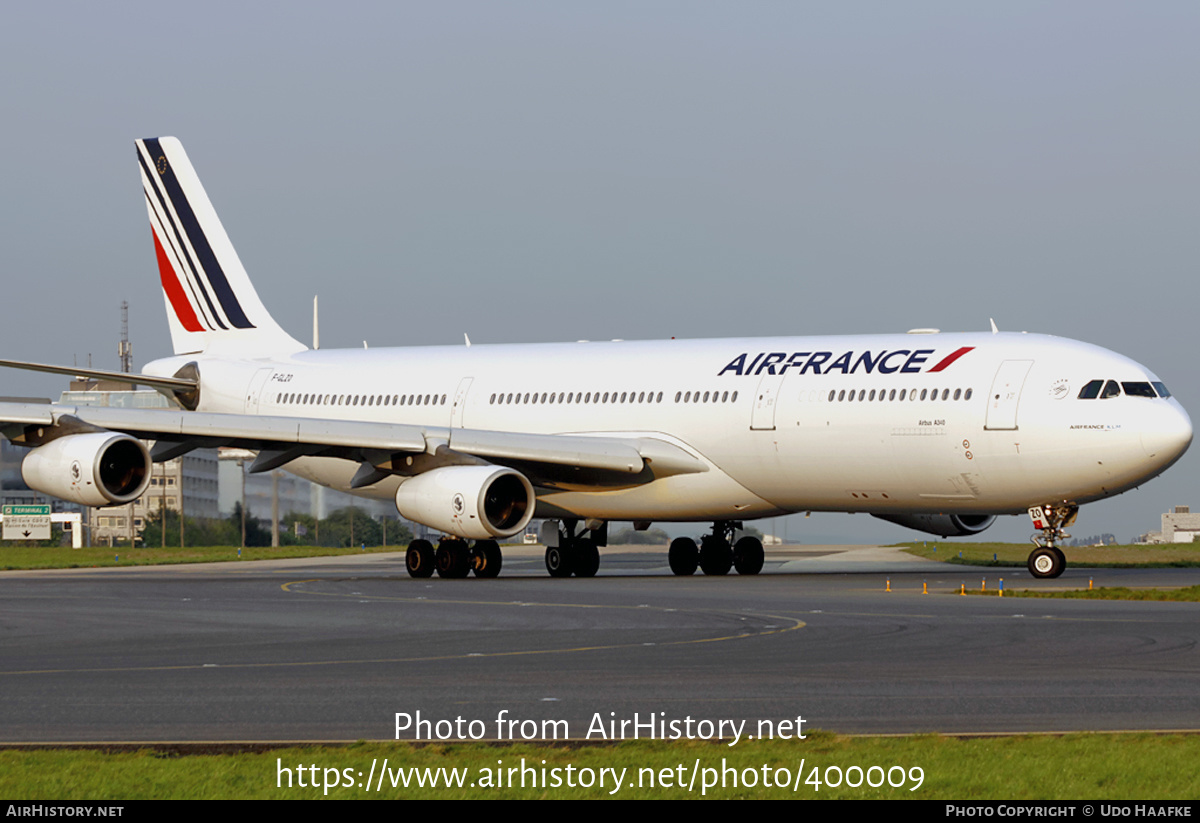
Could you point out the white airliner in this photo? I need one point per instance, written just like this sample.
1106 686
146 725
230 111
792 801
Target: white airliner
937 432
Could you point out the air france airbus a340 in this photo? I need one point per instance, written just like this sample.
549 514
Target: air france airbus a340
937 432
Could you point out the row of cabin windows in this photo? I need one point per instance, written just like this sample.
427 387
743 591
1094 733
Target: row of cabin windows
611 397
361 399
1104 389
575 397
717 397
885 394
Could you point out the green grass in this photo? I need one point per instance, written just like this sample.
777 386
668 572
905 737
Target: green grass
34 557
1190 594
1076 766
1167 555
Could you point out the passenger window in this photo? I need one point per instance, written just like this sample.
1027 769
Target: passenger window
1111 389
1091 391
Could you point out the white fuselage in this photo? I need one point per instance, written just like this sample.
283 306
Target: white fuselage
906 423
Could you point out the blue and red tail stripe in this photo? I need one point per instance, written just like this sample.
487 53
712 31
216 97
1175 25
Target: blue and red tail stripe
179 222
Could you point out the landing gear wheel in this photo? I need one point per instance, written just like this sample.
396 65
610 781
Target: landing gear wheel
748 555
1046 562
715 555
453 559
558 561
587 558
419 558
486 558
683 556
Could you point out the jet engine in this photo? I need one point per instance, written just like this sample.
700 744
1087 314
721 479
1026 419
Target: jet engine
476 502
94 469
945 525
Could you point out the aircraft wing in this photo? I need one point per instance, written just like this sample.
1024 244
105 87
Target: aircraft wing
553 460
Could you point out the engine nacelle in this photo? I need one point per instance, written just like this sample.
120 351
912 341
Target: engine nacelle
477 502
945 525
94 469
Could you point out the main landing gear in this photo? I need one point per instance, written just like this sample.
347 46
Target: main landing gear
716 555
1047 560
454 558
575 554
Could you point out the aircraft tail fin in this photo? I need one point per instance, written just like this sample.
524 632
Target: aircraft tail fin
211 304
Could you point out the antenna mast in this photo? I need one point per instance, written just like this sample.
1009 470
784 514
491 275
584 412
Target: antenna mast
125 349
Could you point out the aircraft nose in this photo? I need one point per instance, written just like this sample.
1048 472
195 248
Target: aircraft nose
1168 436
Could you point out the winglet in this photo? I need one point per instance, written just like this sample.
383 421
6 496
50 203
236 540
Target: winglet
211 304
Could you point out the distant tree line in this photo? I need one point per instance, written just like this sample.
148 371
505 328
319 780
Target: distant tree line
1105 539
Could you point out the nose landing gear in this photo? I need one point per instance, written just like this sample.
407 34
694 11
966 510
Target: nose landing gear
1051 520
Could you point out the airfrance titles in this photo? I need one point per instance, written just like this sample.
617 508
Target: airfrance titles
905 361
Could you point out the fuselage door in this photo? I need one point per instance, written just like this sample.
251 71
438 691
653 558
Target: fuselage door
1006 394
460 400
254 392
765 401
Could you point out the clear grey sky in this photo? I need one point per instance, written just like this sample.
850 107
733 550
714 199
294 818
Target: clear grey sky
553 171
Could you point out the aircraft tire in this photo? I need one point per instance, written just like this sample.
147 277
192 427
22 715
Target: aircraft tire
1046 563
419 559
587 558
453 559
1062 561
715 556
558 561
748 555
683 556
486 558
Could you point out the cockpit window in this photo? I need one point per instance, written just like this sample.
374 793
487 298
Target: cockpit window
1139 390
1091 391
1162 390
1111 389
